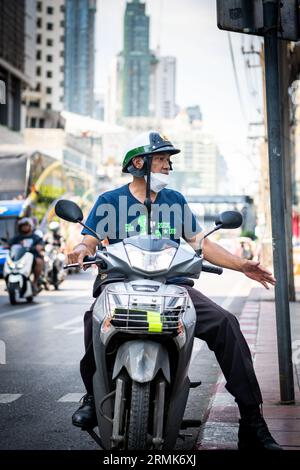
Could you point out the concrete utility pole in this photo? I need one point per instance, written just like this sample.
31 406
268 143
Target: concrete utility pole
277 186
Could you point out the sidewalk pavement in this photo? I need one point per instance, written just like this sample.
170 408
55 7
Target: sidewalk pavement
258 323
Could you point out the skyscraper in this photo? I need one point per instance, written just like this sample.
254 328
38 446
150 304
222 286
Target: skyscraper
113 99
79 56
17 28
163 87
45 100
136 55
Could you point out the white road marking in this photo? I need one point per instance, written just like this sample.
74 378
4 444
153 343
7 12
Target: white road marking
69 325
71 397
40 305
198 344
2 352
25 309
235 292
9 397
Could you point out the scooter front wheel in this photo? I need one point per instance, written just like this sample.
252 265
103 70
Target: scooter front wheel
138 419
12 295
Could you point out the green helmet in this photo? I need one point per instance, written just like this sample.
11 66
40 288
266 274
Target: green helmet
147 143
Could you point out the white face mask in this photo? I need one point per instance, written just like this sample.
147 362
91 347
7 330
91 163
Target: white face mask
158 181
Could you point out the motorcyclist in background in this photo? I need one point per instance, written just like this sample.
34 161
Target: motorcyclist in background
219 328
28 239
54 236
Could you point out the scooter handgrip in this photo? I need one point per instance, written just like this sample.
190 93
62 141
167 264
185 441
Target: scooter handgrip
90 259
210 268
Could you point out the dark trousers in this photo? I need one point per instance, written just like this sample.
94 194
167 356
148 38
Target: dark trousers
221 331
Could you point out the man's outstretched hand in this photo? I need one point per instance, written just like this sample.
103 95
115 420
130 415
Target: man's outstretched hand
255 271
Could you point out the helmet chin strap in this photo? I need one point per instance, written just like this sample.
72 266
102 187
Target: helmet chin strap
139 173
147 202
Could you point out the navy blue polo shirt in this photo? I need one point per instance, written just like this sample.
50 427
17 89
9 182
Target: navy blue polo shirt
117 214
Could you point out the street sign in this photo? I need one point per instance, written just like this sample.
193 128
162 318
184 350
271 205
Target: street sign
246 16
2 92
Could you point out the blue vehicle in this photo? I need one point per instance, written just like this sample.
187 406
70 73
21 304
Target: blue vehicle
31 180
10 213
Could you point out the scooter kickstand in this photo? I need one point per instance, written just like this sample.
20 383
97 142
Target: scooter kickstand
94 436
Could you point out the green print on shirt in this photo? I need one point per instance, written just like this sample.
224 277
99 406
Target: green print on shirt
163 228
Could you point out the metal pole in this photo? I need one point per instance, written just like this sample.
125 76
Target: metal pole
270 12
147 202
287 159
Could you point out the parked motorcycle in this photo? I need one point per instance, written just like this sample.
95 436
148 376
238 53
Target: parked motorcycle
17 271
143 332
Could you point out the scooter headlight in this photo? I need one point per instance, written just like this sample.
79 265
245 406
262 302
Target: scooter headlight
20 265
150 261
11 264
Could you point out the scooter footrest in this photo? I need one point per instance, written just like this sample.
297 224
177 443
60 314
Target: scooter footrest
190 423
195 384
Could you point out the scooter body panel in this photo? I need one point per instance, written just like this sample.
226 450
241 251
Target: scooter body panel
142 359
17 275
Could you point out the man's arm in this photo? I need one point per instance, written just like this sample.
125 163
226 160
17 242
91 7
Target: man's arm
87 247
12 241
217 255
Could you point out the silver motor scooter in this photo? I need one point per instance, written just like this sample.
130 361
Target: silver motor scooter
17 271
143 332
54 274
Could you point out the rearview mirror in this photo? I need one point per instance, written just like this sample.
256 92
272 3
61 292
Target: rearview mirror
68 210
229 219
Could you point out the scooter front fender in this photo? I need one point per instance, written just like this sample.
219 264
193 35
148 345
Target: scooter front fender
142 359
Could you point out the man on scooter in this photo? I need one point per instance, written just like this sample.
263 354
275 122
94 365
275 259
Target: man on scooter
219 328
34 243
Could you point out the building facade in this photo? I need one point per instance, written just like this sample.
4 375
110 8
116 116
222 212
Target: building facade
17 32
137 58
79 56
199 164
194 113
113 96
45 100
163 87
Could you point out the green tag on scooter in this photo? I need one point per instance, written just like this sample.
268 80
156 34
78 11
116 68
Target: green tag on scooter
154 322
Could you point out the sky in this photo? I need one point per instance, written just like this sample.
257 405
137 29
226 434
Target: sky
187 29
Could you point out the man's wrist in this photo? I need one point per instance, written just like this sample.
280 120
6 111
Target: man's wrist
83 244
243 263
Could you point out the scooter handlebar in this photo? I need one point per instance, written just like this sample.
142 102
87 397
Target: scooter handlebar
87 261
210 268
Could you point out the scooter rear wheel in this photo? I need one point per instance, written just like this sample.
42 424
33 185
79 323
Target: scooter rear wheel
138 419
